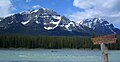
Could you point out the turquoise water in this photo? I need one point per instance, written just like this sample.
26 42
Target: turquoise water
56 55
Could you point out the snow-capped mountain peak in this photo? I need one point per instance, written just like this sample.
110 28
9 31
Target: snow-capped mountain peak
94 22
98 24
45 21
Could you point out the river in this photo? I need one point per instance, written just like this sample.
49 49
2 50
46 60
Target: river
55 55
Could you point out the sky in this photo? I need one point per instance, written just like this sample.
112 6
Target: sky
75 10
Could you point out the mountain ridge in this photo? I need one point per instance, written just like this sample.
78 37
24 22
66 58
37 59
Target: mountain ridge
47 22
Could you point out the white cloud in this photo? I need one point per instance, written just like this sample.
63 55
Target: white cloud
108 9
5 7
36 6
102 5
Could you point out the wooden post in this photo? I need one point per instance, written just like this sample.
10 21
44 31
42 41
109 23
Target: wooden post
104 53
102 40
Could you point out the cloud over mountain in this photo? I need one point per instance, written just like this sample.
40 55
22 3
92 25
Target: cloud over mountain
107 9
5 7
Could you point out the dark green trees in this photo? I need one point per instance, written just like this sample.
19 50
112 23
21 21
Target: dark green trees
51 42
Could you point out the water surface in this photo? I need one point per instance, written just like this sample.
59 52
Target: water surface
56 55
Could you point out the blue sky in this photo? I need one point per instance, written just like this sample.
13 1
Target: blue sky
75 10
60 6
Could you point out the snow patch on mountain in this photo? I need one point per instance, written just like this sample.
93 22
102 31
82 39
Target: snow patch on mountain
24 23
44 23
79 22
1 19
46 16
11 22
29 12
79 25
36 16
25 12
44 8
34 11
37 22
48 28
56 17
55 23
68 26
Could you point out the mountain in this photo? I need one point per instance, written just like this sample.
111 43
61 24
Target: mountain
39 22
1 18
100 26
47 22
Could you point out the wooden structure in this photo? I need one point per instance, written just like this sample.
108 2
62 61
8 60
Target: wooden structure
102 40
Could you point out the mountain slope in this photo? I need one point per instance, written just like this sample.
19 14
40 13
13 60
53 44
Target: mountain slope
47 22
39 22
100 26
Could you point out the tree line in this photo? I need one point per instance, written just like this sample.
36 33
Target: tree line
51 42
